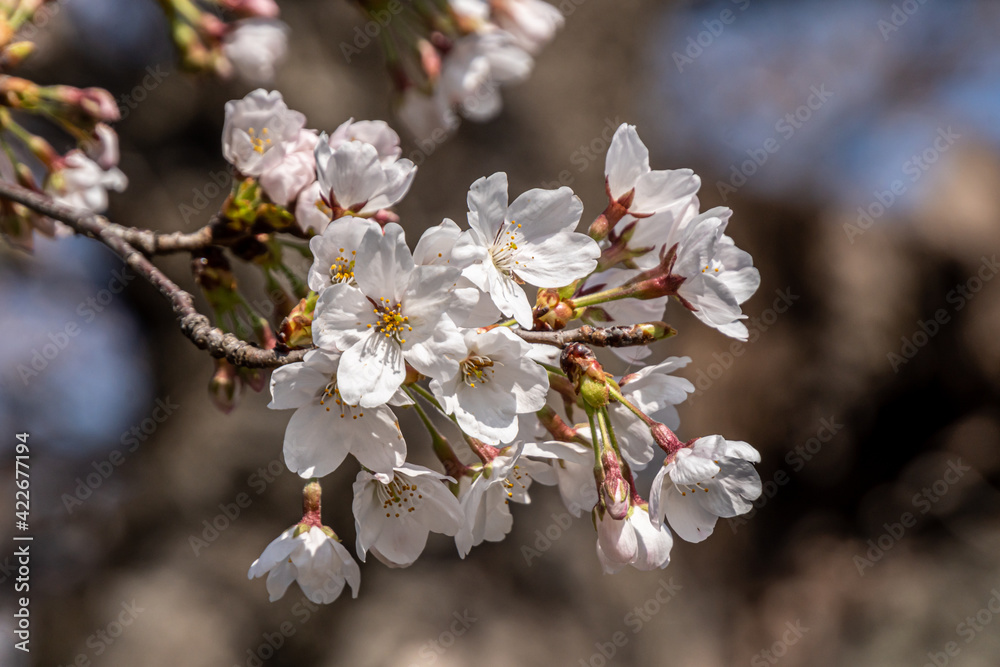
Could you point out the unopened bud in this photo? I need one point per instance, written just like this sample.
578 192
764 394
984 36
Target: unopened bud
14 54
551 312
225 387
585 372
296 329
430 60
614 489
99 104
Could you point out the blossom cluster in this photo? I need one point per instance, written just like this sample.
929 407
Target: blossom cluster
447 329
449 59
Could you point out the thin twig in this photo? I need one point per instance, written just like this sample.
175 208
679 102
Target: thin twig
193 324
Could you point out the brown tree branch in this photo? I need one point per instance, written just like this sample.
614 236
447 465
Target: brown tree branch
145 240
622 336
119 239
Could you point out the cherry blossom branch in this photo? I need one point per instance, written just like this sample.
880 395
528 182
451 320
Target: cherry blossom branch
144 240
620 336
193 324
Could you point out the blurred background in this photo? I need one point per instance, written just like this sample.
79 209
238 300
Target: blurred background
859 146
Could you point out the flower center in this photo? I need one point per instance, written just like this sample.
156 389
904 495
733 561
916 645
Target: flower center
260 141
504 249
342 269
391 320
331 394
512 481
477 369
398 497
714 266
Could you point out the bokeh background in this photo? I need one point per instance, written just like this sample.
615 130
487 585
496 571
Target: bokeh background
877 539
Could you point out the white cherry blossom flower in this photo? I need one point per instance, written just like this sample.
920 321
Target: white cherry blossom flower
486 501
475 68
354 180
634 541
294 172
495 382
641 190
309 555
335 252
532 240
397 314
655 392
325 428
103 148
712 478
532 23
82 183
570 465
719 277
374 132
394 518
258 130
255 47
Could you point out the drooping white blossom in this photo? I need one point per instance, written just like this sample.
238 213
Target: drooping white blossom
82 183
258 131
655 392
397 314
712 478
531 240
486 500
495 382
719 277
532 23
325 428
634 541
255 47
308 555
394 517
